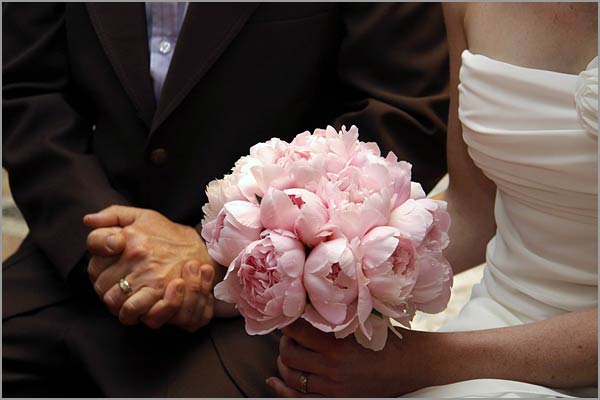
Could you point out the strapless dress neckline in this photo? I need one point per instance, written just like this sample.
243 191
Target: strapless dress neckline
468 53
534 133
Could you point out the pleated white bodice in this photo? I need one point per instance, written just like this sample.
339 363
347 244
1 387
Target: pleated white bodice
535 134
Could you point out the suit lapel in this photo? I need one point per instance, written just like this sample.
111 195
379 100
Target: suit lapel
121 28
206 32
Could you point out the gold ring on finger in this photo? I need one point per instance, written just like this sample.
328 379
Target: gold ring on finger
304 382
124 286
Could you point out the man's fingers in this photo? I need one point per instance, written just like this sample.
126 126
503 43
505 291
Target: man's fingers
106 241
110 277
138 304
115 297
203 314
167 307
98 264
207 274
113 216
198 304
193 300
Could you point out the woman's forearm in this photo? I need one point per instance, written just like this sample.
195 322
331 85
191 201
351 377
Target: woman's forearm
559 352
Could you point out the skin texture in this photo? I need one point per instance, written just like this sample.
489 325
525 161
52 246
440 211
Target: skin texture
557 352
165 263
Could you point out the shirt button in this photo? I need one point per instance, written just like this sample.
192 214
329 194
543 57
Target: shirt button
164 47
159 156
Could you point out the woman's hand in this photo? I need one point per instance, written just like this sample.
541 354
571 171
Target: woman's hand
559 352
343 368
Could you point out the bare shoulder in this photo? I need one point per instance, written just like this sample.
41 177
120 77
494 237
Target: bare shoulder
559 37
454 9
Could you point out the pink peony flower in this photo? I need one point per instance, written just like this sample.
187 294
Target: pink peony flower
330 279
436 238
412 219
219 192
265 282
298 211
424 221
371 239
236 226
354 220
389 265
431 291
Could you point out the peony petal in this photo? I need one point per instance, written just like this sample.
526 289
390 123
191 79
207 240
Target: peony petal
416 191
379 328
431 292
291 253
243 214
294 300
412 220
254 327
277 211
311 225
229 287
325 254
315 319
379 245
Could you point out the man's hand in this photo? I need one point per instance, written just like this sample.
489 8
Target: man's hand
153 254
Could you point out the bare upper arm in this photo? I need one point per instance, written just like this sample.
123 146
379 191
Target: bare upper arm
468 185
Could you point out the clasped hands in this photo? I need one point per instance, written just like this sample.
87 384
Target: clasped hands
165 264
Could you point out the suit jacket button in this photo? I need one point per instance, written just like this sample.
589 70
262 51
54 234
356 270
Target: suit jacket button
159 156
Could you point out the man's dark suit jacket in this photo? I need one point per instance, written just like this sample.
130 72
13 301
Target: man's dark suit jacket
82 131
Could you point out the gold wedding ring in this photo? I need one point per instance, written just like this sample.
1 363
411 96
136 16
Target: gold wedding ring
304 382
124 286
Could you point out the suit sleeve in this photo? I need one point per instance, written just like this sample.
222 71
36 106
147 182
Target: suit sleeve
394 59
55 178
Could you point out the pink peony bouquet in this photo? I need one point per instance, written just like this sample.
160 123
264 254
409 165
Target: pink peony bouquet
325 229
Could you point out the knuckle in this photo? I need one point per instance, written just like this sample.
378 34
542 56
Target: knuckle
170 304
129 231
128 309
158 282
99 289
91 269
109 300
90 239
136 251
151 213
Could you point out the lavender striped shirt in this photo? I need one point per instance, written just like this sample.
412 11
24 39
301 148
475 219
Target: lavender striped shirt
163 20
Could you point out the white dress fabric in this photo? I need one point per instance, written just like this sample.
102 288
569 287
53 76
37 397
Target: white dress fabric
535 134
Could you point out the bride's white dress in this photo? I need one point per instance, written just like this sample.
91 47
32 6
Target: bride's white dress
535 134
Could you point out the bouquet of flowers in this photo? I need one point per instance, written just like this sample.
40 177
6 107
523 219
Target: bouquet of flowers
326 229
